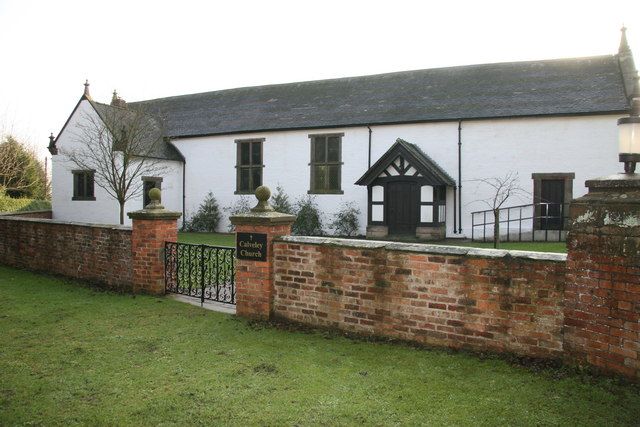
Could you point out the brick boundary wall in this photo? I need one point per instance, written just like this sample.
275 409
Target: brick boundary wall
45 214
482 299
147 244
254 290
602 310
97 253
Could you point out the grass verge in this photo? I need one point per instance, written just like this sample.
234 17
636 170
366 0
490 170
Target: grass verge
73 355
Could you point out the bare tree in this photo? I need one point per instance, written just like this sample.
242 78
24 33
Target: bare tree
120 144
502 189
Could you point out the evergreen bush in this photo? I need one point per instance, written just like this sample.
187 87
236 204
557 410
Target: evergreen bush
309 218
280 201
345 221
9 204
207 217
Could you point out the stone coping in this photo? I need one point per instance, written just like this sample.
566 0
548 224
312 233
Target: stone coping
58 222
617 181
18 213
425 248
262 217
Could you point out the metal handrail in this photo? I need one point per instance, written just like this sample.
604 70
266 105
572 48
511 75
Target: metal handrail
519 219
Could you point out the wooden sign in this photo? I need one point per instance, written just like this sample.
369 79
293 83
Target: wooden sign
251 246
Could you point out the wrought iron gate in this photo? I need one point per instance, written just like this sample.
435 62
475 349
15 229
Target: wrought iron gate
200 271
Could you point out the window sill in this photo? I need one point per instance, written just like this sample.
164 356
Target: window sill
244 193
89 199
325 192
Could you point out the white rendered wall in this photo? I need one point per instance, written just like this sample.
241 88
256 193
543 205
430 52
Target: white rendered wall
103 210
584 145
211 165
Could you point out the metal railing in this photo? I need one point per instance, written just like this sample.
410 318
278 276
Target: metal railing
200 271
534 222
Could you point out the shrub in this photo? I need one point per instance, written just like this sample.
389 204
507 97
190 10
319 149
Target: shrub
241 205
309 220
280 201
8 204
22 174
207 217
345 221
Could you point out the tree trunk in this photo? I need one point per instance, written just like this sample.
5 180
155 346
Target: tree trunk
496 228
121 213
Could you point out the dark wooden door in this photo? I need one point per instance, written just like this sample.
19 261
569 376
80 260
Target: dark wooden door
402 208
552 199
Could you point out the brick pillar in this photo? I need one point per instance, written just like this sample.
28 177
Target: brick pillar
254 277
151 228
602 294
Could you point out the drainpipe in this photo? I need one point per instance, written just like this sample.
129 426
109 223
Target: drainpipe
184 213
460 176
455 211
370 131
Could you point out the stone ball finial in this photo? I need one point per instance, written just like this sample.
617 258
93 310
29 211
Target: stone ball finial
155 195
262 194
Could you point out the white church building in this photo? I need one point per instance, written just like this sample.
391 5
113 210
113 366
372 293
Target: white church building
411 149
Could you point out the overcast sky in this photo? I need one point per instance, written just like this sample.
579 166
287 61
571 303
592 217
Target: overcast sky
152 49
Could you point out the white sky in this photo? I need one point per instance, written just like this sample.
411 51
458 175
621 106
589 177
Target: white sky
150 49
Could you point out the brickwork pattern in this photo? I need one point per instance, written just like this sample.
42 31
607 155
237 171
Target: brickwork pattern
499 304
602 313
254 279
100 254
147 243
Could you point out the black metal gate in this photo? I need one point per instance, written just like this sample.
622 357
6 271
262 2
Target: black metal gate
200 271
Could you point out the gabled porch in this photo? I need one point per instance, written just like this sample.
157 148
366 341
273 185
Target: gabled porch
406 194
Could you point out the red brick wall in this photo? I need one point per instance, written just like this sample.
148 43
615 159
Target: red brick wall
499 303
147 242
602 313
254 279
101 254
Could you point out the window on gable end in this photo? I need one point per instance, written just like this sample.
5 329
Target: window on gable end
83 185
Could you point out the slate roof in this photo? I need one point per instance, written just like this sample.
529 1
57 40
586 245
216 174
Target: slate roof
157 149
533 88
416 158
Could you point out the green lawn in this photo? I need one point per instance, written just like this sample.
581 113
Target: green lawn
215 239
72 355
559 247
228 239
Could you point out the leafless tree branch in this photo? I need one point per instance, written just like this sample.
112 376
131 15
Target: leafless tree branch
120 145
502 188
